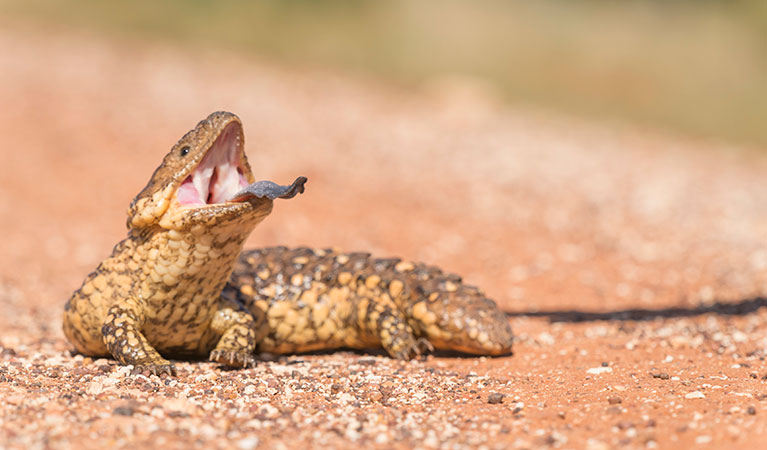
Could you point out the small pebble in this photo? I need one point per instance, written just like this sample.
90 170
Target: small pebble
625 425
124 411
495 398
247 443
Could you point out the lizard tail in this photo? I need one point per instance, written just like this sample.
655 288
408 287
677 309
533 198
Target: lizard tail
453 315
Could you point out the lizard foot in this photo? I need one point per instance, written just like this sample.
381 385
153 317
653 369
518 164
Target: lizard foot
232 358
418 347
154 369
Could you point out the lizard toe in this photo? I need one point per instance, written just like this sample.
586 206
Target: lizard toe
232 358
422 347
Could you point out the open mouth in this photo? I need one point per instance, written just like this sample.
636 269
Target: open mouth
219 176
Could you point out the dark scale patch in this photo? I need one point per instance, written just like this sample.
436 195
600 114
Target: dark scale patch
385 264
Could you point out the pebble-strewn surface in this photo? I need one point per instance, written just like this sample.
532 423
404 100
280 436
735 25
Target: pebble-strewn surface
632 264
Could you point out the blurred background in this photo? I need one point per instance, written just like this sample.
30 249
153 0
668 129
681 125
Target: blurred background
699 66
557 153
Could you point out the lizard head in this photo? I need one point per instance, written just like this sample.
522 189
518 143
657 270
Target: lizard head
206 179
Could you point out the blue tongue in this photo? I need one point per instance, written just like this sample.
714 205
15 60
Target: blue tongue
270 190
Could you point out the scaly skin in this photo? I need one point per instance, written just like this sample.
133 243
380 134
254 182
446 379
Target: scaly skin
159 292
304 300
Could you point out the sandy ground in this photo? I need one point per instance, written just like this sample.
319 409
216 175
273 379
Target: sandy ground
631 263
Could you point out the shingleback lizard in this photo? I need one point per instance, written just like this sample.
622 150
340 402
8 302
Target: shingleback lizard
178 286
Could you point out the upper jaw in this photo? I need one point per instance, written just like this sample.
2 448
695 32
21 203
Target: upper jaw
220 179
221 173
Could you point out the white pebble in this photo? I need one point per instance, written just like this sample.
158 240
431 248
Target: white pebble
247 443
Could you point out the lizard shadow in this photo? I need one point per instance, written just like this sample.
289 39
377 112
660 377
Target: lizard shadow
738 308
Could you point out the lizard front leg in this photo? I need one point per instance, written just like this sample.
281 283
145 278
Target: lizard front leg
124 340
239 333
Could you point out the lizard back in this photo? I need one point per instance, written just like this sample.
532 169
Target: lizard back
312 299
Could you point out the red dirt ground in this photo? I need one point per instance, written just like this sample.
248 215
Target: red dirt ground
631 263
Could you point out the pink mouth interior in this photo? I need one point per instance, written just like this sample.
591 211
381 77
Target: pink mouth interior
219 176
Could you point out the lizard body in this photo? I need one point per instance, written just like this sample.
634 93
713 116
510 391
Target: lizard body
166 291
317 299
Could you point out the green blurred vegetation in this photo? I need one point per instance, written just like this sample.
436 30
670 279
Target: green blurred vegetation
695 65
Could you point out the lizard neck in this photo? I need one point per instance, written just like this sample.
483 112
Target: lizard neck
193 261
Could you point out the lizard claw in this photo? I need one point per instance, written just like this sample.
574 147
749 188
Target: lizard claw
416 348
233 358
423 346
154 369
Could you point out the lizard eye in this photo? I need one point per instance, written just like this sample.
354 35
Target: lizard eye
185 150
